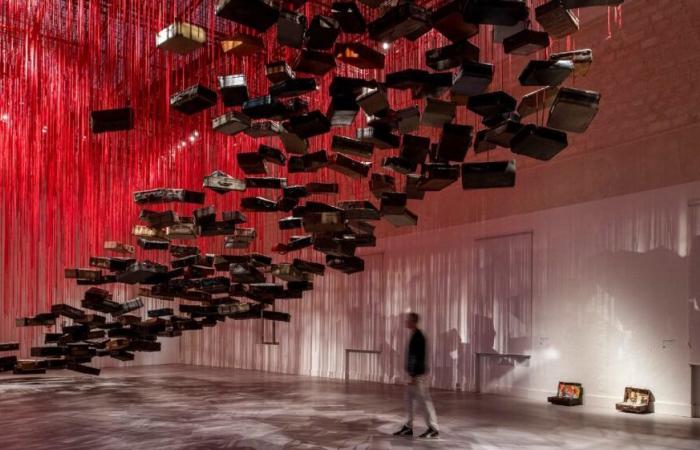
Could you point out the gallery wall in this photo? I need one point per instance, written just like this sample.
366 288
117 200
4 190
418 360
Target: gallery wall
609 306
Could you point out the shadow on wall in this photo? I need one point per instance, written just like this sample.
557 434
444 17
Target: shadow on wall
642 307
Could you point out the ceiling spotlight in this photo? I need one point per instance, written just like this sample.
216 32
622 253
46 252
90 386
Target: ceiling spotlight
5 118
192 138
386 45
45 129
195 133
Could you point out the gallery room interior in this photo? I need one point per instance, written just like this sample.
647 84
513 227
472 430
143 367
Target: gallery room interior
267 224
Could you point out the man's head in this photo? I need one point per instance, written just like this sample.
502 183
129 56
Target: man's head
412 320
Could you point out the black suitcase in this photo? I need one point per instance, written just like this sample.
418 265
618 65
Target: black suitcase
487 175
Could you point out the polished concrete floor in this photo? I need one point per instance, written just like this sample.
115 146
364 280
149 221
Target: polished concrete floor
184 407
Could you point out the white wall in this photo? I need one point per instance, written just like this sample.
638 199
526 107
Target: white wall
609 306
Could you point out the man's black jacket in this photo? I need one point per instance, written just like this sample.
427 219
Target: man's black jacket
415 360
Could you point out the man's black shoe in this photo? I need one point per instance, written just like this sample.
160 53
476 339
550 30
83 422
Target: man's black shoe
405 431
430 434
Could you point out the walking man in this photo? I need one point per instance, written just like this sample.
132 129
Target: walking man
417 387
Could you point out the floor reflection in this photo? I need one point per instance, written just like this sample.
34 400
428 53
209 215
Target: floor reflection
185 407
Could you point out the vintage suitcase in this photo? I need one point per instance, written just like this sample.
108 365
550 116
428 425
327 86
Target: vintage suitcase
373 101
359 55
291 28
293 87
241 238
451 56
257 14
308 125
272 155
380 183
640 401
556 20
537 101
526 42
496 12
573 110
448 19
83 274
348 166
295 191
414 148
295 164
180 231
12 346
168 195
491 104
398 164
359 210
487 175
266 182
568 394
204 215
539 142
349 17
263 128
322 188
278 71
408 119
258 204
344 86
243 44
454 142
438 112
399 21
406 79
264 107
334 244
411 188
141 272
545 73
353 147
290 223
65 311
309 267
7 363
437 176
503 134
292 143
106 120
582 60
193 100
234 89
29 367
231 123
342 110
221 183
287 272
118 247
472 79
393 203
436 84
148 243
245 273
287 204
130 306
322 33
314 62
502 32
345 264
251 163
180 251
181 38
162 312
153 219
